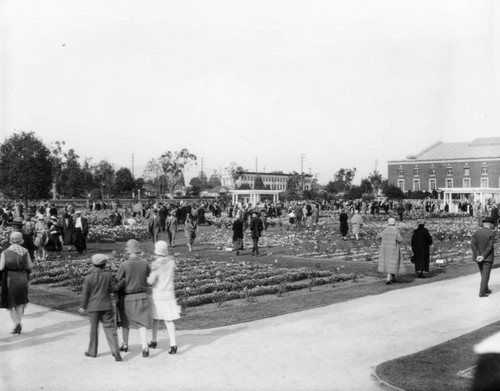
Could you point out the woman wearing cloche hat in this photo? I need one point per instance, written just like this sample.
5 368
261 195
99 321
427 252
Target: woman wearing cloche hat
132 281
15 264
164 303
389 256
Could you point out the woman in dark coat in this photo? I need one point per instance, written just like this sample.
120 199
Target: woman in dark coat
420 245
344 223
135 312
15 264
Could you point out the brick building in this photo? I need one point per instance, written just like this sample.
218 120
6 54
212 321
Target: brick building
458 171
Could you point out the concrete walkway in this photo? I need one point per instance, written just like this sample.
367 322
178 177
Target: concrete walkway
328 348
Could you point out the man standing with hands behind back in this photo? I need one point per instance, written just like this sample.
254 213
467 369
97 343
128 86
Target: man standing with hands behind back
482 244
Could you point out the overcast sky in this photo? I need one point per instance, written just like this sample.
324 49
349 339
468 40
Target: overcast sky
261 83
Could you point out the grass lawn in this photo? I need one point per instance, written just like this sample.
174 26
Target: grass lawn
436 368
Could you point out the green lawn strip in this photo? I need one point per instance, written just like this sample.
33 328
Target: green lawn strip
436 368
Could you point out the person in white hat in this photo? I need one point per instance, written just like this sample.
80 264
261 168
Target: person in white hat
15 263
389 256
164 303
96 299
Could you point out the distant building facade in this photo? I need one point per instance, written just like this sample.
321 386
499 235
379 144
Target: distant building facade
273 181
467 170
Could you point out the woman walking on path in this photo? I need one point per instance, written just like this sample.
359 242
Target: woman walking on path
190 230
344 225
421 241
135 312
15 265
357 223
164 304
389 256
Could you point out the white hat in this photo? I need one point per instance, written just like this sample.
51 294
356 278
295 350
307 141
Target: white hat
99 259
161 247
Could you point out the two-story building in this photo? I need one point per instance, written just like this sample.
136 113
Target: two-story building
273 181
459 171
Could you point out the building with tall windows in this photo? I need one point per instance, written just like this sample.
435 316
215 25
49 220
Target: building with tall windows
273 181
458 171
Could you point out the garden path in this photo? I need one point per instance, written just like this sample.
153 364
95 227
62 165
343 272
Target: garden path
329 348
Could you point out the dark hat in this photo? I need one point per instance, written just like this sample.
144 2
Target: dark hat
489 220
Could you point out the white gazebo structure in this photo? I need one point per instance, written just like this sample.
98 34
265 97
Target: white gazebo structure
472 194
253 196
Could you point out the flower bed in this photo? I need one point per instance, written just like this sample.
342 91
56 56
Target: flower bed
121 233
202 281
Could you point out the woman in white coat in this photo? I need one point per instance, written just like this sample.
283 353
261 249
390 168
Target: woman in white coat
163 296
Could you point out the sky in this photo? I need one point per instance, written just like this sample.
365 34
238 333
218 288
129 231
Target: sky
288 85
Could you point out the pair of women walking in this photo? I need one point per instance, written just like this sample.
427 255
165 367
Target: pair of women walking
140 311
390 252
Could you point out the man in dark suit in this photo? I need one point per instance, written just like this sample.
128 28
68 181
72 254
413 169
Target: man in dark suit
154 225
256 228
482 244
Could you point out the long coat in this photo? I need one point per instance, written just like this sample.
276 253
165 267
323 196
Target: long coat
483 243
420 243
389 257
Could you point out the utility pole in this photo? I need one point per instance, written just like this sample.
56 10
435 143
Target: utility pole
302 158
256 164
133 174
201 172
376 165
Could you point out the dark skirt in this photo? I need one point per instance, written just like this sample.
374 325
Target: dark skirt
14 288
80 241
136 311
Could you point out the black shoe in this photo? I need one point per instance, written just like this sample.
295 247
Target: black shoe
90 355
388 282
117 357
124 348
153 344
173 349
488 291
145 353
17 329
483 295
421 275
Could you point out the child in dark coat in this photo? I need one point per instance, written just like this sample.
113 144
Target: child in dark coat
96 299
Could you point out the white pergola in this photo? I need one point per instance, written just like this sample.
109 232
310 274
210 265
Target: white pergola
480 194
253 196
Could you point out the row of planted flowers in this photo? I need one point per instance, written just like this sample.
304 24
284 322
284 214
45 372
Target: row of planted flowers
200 281
451 240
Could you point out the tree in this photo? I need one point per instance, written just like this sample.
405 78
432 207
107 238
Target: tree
124 182
26 170
88 175
214 180
72 180
235 171
258 183
294 182
59 159
196 186
355 192
366 186
104 174
153 173
173 165
393 192
344 177
376 180
334 187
